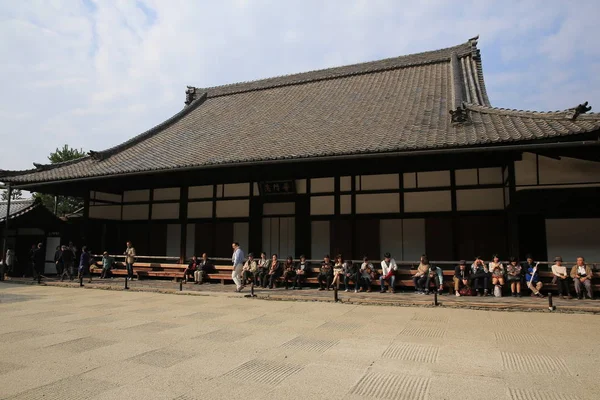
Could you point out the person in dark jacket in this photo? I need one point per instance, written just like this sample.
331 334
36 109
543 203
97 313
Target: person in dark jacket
461 276
480 277
325 276
289 271
302 270
190 270
84 264
57 261
351 273
39 259
67 258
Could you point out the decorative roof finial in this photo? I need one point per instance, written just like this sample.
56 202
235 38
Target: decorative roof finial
460 115
580 109
96 155
190 95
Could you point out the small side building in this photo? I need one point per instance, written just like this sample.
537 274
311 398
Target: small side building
30 223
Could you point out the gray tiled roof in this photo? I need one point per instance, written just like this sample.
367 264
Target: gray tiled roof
397 104
17 207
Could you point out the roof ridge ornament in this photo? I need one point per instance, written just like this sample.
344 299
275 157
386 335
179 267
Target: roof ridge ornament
574 112
96 155
460 115
190 95
475 52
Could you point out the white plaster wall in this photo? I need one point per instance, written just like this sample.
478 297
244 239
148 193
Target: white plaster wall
301 186
200 209
428 201
240 235
345 183
105 196
466 177
135 212
279 208
413 238
322 205
433 179
105 212
490 175
167 194
236 190
200 192
377 203
568 170
346 204
390 238
136 195
165 211
480 199
173 240
379 182
322 185
233 208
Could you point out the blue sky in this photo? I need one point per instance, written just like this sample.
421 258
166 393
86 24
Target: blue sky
93 74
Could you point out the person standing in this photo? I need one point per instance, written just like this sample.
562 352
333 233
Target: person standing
57 262
84 264
582 278
67 259
129 260
39 259
388 272
561 278
9 261
237 260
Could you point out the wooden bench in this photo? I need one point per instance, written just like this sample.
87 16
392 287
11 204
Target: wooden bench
222 274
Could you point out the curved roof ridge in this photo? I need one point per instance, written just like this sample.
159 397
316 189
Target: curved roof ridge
558 114
386 64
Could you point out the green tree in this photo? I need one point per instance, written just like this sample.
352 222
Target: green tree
64 204
16 195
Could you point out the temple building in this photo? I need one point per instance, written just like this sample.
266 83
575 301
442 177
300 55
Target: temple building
405 155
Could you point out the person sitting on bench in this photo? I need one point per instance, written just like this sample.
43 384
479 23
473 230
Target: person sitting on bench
338 271
203 268
289 271
325 276
263 270
513 276
249 270
561 278
190 270
367 274
496 269
480 277
302 270
107 264
461 276
388 273
351 273
435 276
582 278
532 277
420 276
274 271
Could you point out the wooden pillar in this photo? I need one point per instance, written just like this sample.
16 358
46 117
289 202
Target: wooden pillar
86 219
5 239
455 216
511 211
183 216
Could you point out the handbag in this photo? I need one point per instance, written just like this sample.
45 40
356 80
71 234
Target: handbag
466 291
497 291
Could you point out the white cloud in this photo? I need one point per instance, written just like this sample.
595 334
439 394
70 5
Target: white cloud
94 76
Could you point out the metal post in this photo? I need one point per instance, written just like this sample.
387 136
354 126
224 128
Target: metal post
126 287
252 290
335 294
435 294
81 279
551 307
181 286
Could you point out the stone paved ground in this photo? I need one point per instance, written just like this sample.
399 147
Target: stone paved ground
61 343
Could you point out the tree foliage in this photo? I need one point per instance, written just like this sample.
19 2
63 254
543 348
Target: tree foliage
64 204
15 195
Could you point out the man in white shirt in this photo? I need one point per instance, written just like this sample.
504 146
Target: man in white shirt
388 272
561 277
238 264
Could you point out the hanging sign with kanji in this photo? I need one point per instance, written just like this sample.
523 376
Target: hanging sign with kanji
277 187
